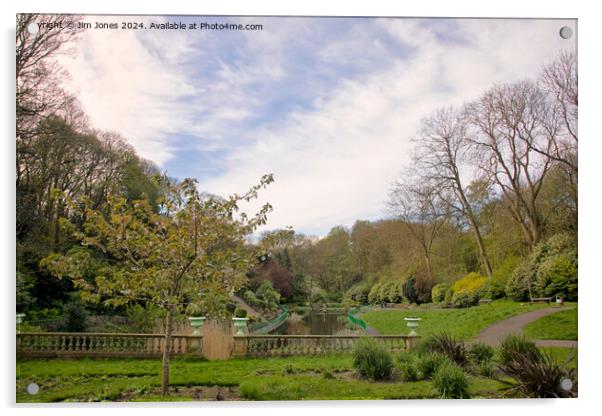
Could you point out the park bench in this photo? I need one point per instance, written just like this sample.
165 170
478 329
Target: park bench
483 301
541 300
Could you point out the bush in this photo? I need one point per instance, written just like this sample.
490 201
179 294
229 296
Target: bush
501 276
516 345
438 292
486 369
464 299
409 291
396 292
374 294
481 353
451 382
75 317
517 287
550 269
372 360
558 274
240 313
535 374
430 363
449 346
409 370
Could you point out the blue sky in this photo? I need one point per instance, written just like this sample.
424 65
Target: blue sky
328 105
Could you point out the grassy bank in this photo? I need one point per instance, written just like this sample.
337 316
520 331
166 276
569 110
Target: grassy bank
561 325
292 378
464 323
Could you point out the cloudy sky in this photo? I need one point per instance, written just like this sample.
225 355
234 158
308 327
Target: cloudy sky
328 105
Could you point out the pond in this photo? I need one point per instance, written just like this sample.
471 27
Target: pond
315 323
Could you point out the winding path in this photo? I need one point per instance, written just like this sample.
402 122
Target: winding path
493 334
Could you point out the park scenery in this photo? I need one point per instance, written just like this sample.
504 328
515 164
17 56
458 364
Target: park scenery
295 208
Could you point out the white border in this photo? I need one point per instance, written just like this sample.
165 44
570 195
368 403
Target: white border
590 290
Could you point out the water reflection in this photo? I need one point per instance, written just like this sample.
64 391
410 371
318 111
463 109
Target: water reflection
315 323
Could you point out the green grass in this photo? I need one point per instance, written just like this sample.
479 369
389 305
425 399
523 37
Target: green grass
561 325
463 323
291 378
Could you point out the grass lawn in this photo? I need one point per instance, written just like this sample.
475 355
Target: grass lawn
561 325
292 378
464 323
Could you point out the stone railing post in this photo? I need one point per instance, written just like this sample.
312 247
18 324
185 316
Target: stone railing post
412 341
240 344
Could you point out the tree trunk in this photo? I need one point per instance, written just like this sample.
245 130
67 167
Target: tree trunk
166 353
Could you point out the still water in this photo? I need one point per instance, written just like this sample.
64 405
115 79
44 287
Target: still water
315 323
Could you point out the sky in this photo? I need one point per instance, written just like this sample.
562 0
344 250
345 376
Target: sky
327 105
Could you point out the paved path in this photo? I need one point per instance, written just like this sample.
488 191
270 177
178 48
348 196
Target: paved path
494 334
240 302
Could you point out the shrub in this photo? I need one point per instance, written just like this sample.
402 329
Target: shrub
481 353
374 294
517 287
372 360
430 363
516 345
535 374
409 291
358 293
464 299
451 382
240 313
558 274
438 292
396 292
470 283
231 307
501 276
486 369
446 344
75 317
409 370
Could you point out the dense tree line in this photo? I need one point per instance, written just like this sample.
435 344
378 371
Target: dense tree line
58 157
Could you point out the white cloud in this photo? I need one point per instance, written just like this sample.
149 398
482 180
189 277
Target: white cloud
333 159
334 164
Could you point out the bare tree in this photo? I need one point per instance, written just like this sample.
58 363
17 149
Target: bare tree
559 81
441 150
38 76
417 206
510 135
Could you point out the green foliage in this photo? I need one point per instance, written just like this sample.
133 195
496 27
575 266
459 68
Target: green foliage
451 382
449 346
144 318
502 274
374 294
549 270
558 275
372 360
518 285
481 353
468 290
429 363
409 291
438 292
75 317
409 369
536 373
240 313
358 293
464 299
516 345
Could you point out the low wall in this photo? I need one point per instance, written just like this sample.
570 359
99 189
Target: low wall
83 344
287 345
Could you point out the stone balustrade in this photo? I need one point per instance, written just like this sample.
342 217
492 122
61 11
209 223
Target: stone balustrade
286 345
71 344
